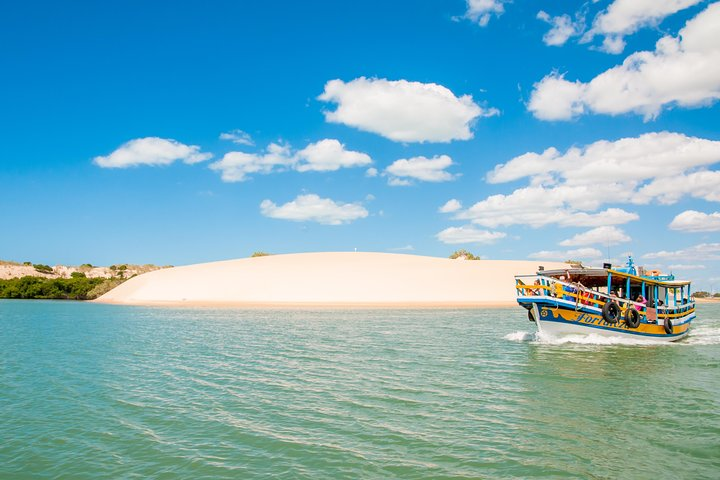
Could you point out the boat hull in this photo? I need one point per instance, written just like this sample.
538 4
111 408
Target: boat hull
557 320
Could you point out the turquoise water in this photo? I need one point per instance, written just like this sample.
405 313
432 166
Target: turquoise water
91 391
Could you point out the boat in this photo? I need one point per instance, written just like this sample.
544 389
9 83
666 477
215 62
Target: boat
625 302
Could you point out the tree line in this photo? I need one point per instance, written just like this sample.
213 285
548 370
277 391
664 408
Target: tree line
78 287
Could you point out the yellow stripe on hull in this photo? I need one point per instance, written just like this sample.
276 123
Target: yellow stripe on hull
550 314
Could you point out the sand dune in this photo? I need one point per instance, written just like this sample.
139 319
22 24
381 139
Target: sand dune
348 278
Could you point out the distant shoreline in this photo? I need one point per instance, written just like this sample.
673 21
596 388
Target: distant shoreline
707 300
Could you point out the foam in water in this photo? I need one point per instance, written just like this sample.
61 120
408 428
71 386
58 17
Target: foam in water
595 339
589 339
703 335
520 336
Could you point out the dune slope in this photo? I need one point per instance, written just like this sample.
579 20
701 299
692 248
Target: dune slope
342 278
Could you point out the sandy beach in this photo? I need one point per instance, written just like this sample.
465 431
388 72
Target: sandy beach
348 279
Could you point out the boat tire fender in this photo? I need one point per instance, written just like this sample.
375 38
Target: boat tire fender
668 326
611 312
632 318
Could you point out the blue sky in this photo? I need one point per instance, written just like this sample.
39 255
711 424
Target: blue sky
526 129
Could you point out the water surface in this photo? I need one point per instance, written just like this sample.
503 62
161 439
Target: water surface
90 391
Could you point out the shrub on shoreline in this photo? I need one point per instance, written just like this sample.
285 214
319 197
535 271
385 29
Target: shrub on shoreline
75 288
102 288
463 253
39 267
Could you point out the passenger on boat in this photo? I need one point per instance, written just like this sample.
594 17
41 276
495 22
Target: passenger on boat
585 297
538 288
567 289
640 299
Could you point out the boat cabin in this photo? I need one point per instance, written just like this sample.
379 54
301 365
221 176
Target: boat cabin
627 284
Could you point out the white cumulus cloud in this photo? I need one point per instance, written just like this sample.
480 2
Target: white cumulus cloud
624 17
682 71
694 221
540 206
662 166
563 27
452 205
570 188
403 111
399 182
600 235
703 184
585 254
237 166
238 137
480 11
468 234
322 156
312 208
329 155
555 98
684 266
404 170
152 151
405 248
703 251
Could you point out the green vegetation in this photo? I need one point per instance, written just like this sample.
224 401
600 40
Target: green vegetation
39 267
575 263
704 294
463 253
75 288
102 288
260 254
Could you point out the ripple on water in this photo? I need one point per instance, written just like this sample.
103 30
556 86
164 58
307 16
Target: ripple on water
91 390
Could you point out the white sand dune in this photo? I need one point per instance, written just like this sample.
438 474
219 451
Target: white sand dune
348 278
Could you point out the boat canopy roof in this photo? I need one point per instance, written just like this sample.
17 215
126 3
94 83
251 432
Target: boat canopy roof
597 277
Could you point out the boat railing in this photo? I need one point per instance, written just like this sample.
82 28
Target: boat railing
554 288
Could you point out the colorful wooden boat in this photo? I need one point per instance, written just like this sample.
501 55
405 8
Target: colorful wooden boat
621 302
